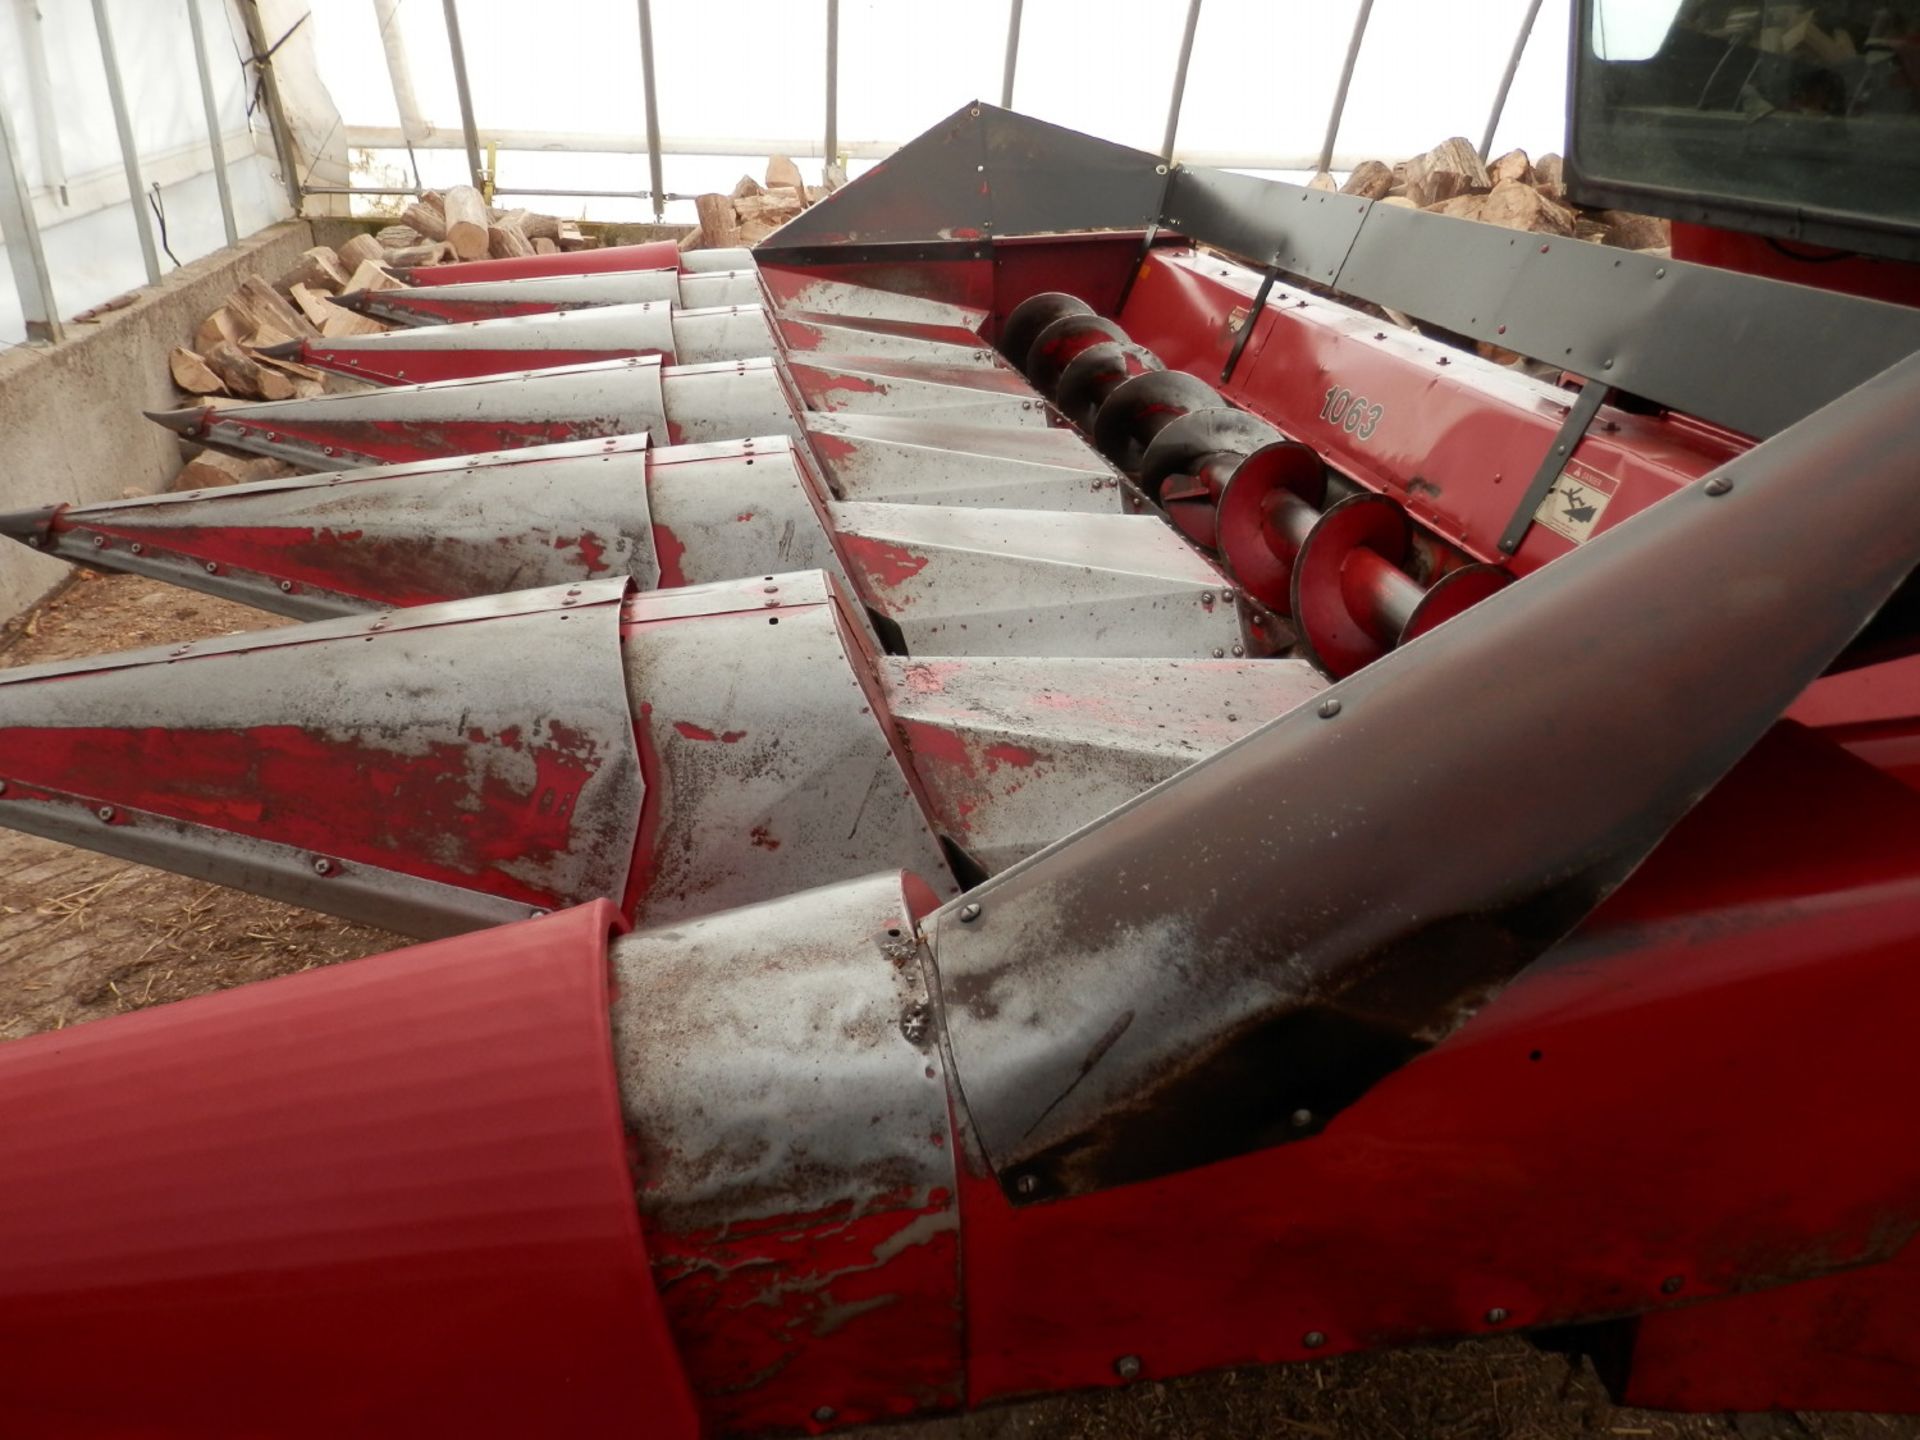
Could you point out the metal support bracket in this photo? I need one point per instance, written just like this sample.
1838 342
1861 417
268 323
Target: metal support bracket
1254 308
1592 396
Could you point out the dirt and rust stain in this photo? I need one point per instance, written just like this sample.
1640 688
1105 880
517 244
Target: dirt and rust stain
883 562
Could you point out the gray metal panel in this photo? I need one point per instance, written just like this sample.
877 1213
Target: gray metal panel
726 512
785 1092
1304 232
1038 179
930 461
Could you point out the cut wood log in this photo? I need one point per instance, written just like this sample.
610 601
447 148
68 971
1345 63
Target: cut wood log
1550 176
782 171
334 320
430 223
1399 200
192 374
543 246
1513 165
222 324
536 226
754 231
691 240
570 237
292 368
433 252
210 469
747 185
1627 230
436 202
778 205
506 241
1512 205
357 251
1451 168
717 220
397 237
466 222
1370 180
269 308
317 269
246 376
372 276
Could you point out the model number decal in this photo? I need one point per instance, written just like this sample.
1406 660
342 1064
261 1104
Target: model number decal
1351 413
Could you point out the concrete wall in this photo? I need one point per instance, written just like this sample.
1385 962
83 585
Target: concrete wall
70 421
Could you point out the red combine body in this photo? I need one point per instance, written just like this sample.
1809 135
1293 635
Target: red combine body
997 815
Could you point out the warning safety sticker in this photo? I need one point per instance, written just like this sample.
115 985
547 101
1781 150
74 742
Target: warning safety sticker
1576 502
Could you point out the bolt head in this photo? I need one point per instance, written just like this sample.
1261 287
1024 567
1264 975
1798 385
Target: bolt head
1313 1339
286 587
1301 1119
969 913
1329 707
323 866
99 542
1718 485
1206 597
1026 1184
212 569
136 547
1127 1367
823 1414
1497 1315
1672 1284
106 812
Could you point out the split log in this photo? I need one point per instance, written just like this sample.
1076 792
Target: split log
430 223
570 237
1451 168
1627 230
778 206
1513 165
270 309
210 469
1550 176
748 186
505 241
1370 180
192 374
782 171
397 237
543 246
334 320
1512 205
357 251
436 202
466 222
754 231
246 376
317 269
222 324
691 241
536 226
717 221
371 276
433 252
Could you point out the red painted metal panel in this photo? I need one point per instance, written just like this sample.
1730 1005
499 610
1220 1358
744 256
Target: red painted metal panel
1868 275
389 1197
1843 1342
1873 711
1453 438
1622 1128
653 255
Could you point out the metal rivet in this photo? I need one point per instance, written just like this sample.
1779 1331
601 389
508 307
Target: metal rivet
99 542
106 812
323 867
1313 1339
538 914
1718 485
825 1413
1661 273
1301 1119
1206 597
1497 1315
1606 364
286 587
136 547
1159 169
1127 1367
1329 707
1026 1184
1238 651
1218 653
1669 1286
969 913
212 568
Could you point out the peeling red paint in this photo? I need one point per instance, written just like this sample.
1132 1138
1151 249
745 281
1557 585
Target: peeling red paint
392 365
1007 754
763 838
881 561
668 552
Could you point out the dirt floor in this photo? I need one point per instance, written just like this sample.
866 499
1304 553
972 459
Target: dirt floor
83 937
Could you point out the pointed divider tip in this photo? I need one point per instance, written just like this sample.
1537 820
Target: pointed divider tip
29 527
285 350
354 300
190 421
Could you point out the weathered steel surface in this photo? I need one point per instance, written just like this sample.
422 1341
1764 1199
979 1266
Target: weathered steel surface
1016 751
802 333
796 1168
1025 582
769 767
484 747
426 305
879 386
244 1197
737 509
1116 1011
905 460
807 294
314 547
733 259
538 407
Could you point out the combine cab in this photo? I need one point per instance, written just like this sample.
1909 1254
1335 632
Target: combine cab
1026 795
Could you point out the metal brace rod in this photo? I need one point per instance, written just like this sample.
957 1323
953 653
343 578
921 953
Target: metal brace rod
393 44
1255 309
458 52
1346 79
1013 52
212 107
654 160
46 120
262 61
24 255
833 83
1180 79
1580 415
1506 79
129 147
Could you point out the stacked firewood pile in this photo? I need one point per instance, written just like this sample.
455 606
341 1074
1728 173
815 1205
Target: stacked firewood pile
1514 190
225 363
755 210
